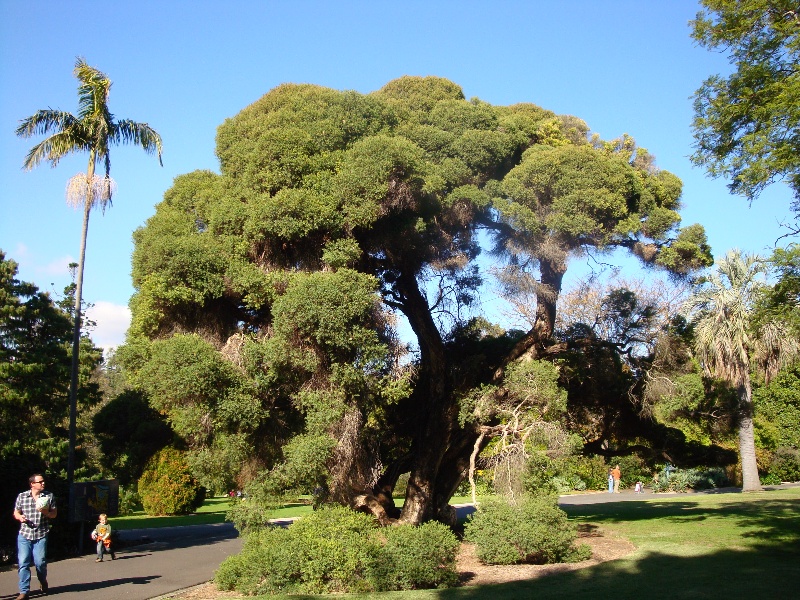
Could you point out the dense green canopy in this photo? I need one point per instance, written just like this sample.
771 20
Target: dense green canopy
265 322
747 125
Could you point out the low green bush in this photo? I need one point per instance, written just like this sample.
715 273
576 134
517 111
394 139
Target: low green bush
167 486
671 479
129 501
592 471
415 558
785 465
633 469
335 550
535 531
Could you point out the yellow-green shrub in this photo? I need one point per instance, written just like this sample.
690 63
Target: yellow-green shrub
167 486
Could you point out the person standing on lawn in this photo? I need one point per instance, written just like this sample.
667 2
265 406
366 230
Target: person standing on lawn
34 510
617 475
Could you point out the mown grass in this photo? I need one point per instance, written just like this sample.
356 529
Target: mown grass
213 511
731 546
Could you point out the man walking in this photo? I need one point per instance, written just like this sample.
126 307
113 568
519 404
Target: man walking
34 509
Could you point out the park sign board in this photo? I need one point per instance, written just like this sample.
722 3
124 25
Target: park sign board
88 499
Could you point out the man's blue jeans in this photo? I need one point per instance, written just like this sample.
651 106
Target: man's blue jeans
27 551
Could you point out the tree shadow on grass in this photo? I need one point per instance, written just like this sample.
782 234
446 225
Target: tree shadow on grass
754 573
772 521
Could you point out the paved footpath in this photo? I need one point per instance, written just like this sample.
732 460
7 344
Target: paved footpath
161 561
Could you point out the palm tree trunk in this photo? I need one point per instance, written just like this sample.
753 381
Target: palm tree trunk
747 444
76 332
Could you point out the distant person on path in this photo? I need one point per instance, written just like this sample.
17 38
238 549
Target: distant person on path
610 482
617 475
638 488
102 535
34 509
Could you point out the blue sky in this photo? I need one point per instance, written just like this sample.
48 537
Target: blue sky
184 66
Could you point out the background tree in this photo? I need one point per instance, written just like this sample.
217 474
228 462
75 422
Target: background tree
728 346
34 365
268 296
92 130
128 432
747 126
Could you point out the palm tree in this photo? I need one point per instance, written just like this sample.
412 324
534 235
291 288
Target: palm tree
729 344
92 130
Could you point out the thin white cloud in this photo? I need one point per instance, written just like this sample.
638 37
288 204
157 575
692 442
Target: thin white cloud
59 266
31 269
112 321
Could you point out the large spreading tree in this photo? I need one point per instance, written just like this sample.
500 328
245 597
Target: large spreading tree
269 296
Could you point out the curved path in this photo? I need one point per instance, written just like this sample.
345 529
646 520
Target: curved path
153 562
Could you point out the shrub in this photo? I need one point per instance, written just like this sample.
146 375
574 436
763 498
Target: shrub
545 475
785 465
536 531
633 469
129 501
338 550
167 486
671 479
592 471
483 484
415 558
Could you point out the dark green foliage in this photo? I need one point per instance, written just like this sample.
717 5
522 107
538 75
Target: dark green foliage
782 300
129 432
746 124
785 465
633 469
129 500
545 475
167 486
777 411
338 550
534 531
34 361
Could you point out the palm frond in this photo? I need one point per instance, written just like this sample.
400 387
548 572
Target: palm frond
92 92
721 310
776 348
54 148
139 134
43 122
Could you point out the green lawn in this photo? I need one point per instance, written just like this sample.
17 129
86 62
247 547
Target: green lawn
213 511
729 546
